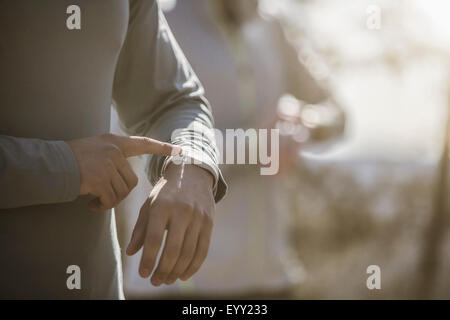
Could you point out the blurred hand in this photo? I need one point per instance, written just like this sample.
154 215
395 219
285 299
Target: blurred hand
104 170
289 155
183 203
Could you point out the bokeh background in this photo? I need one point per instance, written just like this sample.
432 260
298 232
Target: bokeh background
375 193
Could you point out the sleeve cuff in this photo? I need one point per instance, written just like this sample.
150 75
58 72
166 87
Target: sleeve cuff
190 157
71 173
194 157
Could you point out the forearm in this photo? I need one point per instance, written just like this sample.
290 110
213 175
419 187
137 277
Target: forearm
34 171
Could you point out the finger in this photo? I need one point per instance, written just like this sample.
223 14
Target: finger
156 226
171 252
127 173
200 253
135 146
187 253
95 205
120 187
138 235
105 201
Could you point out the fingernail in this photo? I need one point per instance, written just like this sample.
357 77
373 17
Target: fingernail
145 273
156 281
183 278
176 150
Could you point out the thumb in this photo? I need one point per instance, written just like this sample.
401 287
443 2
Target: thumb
135 146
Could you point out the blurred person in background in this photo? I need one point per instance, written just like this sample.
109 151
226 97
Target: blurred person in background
254 79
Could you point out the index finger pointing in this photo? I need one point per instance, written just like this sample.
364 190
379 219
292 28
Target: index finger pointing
135 146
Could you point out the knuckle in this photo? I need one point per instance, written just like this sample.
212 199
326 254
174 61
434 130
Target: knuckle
183 260
198 216
184 206
113 151
161 200
157 212
208 221
172 252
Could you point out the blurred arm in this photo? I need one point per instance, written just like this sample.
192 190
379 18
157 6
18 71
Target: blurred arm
301 84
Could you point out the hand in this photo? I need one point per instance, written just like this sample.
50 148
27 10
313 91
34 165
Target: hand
289 156
105 172
183 203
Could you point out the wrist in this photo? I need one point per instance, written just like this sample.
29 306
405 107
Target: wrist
189 171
